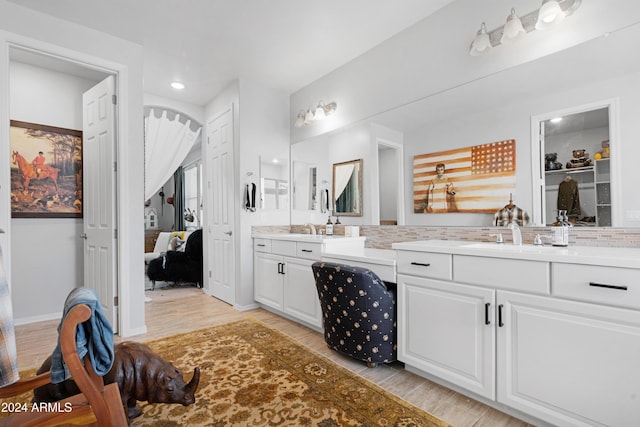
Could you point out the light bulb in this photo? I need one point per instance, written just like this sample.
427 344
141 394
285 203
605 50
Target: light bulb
549 14
319 113
512 29
481 43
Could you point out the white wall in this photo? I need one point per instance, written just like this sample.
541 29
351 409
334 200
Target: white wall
24 27
264 132
47 253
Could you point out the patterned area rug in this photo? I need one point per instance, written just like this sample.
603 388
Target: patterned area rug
253 375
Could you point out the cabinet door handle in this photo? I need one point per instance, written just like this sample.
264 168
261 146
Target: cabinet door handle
604 285
281 268
487 321
421 264
261 245
307 250
500 324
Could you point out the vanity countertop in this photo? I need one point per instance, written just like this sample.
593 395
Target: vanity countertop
299 237
590 255
370 255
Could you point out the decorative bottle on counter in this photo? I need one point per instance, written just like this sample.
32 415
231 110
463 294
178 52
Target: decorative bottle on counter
329 227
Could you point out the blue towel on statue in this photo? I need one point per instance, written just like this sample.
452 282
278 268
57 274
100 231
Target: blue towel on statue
93 337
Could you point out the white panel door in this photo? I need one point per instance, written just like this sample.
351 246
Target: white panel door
220 239
447 330
99 195
569 363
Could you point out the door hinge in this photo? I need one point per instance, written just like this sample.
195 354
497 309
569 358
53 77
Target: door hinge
114 99
115 301
115 233
209 273
115 166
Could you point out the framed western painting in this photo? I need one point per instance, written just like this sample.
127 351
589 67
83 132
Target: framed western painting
46 171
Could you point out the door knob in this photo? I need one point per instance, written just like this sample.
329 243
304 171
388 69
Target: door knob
83 236
228 233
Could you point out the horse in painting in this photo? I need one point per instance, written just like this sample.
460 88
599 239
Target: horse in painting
28 171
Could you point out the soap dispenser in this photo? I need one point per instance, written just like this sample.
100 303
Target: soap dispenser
561 231
329 227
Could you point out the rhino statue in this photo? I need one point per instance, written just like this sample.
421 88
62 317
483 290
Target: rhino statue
141 375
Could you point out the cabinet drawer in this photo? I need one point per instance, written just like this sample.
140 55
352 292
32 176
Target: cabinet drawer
603 285
384 272
283 247
262 245
424 264
308 250
514 274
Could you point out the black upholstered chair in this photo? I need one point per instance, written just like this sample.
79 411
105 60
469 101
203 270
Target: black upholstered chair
179 267
358 312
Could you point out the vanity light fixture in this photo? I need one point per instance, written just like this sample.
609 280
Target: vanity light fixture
549 14
321 112
177 85
512 29
556 120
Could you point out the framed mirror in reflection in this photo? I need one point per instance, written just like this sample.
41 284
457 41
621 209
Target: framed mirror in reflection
347 188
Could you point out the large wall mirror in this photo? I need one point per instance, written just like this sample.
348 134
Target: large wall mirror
347 188
502 106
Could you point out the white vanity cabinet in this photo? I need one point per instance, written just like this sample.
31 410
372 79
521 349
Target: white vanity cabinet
283 279
569 363
548 335
442 332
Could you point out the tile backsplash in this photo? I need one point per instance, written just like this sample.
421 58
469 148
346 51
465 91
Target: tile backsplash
382 236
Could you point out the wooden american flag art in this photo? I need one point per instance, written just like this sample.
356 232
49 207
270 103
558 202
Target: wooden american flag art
476 179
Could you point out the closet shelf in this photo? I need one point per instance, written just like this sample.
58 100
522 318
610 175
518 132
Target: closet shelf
573 170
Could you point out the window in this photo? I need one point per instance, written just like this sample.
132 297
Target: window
193 196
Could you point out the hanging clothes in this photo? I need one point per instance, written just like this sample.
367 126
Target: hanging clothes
569 197
511 213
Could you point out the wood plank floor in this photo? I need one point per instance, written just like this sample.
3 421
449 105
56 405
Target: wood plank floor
175 310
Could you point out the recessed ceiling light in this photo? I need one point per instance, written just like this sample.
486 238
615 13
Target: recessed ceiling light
177 85
556 120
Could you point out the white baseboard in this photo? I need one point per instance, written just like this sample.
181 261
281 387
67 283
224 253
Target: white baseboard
246 307
135 331
36 319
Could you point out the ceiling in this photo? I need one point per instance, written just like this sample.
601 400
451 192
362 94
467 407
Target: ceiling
206 44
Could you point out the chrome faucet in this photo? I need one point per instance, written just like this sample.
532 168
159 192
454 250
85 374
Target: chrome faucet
312 228
516 234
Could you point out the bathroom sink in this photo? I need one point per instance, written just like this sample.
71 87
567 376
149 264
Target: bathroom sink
320 238
512 248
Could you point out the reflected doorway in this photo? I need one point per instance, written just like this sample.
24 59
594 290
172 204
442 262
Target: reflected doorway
575 158
390 187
